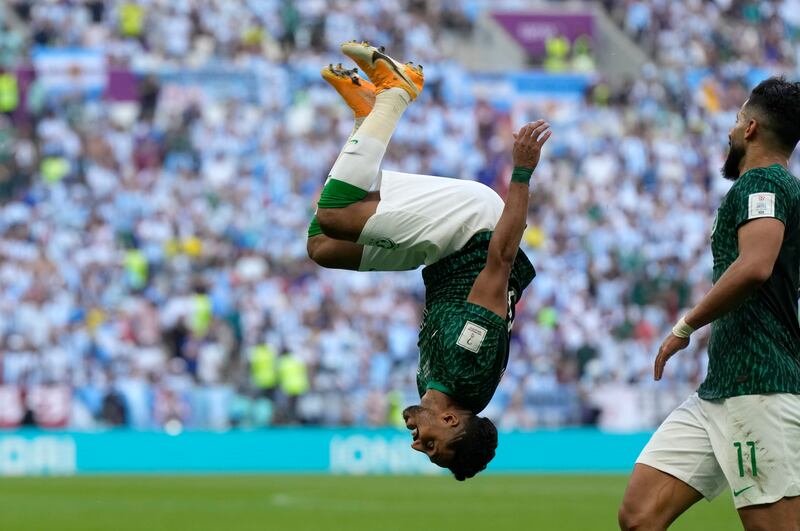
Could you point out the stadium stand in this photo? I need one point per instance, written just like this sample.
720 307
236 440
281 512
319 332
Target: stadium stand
152 235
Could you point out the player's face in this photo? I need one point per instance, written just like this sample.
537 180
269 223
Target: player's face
431 434
736 147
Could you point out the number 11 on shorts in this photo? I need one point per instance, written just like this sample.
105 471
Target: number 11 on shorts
753 468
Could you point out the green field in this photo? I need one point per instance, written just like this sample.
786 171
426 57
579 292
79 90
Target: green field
298 503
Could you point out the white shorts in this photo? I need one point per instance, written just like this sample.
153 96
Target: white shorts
421 219
750 443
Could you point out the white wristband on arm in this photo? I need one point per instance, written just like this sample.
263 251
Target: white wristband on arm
681 329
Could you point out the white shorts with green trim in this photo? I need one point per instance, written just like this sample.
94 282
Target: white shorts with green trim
421 219
750 443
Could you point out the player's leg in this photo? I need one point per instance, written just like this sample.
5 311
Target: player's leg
654 499
419 219
334 254
346 223
359 95
676 469
757 442
353 173
333 250
783 515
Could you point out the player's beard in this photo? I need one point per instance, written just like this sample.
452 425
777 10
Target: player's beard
730 170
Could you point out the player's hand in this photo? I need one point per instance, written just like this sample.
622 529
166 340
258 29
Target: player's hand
669 347
528 144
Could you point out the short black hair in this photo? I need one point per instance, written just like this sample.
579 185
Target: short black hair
778 101
474 448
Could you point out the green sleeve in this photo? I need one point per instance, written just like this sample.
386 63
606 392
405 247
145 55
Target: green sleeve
758 196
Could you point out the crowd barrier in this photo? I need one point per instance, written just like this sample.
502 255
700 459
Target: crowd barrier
298 450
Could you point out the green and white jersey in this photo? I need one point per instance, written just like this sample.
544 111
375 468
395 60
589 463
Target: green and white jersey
463 347
755 349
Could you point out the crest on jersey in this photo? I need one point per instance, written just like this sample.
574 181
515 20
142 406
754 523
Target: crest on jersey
384 243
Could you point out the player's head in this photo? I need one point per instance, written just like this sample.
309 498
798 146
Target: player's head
454 439
473 450
770 118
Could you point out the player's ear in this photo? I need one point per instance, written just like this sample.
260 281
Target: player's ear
751 128
450 419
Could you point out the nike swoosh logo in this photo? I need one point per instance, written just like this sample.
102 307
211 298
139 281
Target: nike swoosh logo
354 141
737 492
378 55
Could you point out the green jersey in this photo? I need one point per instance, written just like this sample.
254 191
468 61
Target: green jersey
463 347
755 349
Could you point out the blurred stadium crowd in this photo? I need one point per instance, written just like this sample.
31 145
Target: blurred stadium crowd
153 269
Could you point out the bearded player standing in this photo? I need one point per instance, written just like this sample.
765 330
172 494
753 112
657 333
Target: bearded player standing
742 428
461 230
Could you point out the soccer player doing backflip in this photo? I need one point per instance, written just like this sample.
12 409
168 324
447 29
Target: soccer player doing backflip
462 231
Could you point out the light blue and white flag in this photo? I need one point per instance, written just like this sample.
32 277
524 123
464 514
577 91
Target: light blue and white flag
71 70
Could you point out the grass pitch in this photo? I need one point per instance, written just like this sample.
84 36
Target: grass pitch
299 503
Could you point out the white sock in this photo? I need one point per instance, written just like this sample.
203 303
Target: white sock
356 125
382 120
359 161
358 121
361 157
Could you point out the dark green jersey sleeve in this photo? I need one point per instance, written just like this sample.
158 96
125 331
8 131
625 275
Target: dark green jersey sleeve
760 196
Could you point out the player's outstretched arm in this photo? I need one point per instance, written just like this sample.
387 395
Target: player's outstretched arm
759 245
490 289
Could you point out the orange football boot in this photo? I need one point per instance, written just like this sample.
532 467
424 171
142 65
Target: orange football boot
384 71
357 92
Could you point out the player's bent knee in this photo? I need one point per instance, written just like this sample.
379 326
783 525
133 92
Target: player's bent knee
635 519
327 253
330 221
625 518
313 248
346 223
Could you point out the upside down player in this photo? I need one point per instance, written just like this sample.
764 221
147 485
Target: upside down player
742 428
463 233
